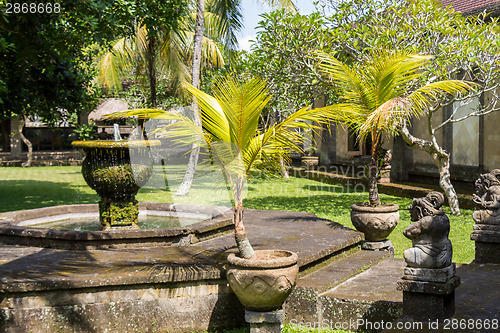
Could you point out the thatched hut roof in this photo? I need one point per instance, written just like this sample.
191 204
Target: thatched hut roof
474 7
107 107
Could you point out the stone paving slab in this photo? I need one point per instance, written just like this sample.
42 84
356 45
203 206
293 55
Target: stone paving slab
27 269
477 298
337 272
377 283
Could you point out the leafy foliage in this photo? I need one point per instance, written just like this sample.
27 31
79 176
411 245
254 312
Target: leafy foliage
44 57
380 93
279 56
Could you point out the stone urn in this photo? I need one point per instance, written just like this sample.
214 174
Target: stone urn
116 170
375 222
310 162
263 282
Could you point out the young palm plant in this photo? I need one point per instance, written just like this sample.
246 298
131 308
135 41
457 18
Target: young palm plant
232 133
379 95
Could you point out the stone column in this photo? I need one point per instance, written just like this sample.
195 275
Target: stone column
428 294
264 322
487 239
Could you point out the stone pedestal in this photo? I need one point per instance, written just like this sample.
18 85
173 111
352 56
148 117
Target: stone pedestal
385 245
487 239
264 322
424 300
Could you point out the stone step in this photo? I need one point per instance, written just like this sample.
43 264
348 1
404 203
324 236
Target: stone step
316 303
377 283
340 270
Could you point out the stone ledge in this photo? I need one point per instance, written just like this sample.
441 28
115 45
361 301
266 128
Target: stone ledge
430 274
271 317
486 227
435 288
485 236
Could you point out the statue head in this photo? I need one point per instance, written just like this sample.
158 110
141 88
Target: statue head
429 205
486 180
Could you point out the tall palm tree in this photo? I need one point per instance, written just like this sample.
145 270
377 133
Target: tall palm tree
226 23
231 132
168 55
379 94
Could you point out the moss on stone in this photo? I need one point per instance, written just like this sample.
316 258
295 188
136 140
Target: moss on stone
118 213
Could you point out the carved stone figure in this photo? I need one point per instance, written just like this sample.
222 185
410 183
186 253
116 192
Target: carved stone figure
429 233
487 197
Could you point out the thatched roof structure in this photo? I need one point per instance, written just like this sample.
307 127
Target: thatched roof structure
474 7
107 107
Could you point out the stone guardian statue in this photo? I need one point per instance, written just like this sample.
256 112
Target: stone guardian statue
429 233
487 198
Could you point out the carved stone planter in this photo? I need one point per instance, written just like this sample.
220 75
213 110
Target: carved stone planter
310 162
263 282
375 222
116 170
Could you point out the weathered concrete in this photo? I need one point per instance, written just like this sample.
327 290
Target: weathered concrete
174 288
264 322
430 274
316 303
336 273
16 227
385 245
428 300
487 243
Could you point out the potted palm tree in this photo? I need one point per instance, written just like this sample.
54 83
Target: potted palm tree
378 95
230 131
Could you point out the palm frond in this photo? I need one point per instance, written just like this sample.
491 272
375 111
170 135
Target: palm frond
433 92
223 20
288 5
354 89
242 104
213 117
112 64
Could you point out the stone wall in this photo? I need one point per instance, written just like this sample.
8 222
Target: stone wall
172 307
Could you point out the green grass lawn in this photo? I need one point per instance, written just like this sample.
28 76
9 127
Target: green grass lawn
26 188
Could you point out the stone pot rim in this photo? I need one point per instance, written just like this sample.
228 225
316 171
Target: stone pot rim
109 144
287 259
386 207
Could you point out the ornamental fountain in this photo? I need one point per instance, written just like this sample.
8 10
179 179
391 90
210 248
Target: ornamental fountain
107 168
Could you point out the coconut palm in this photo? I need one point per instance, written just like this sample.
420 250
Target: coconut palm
167 54
224 24
379 95
232 133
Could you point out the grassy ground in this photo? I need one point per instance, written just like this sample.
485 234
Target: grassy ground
47 186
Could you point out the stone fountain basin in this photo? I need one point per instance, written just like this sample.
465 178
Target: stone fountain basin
15 227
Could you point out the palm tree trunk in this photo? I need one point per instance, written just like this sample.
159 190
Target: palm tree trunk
195 81
284 171
373 196
244 247
152 71
441 158
22 121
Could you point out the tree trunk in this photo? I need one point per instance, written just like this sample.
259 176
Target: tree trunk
284 171
443 164
151 71
373 196
22 121
441 158
244 247
195 81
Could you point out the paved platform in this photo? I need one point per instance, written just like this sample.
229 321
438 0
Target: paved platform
477 298
338 281
30 268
